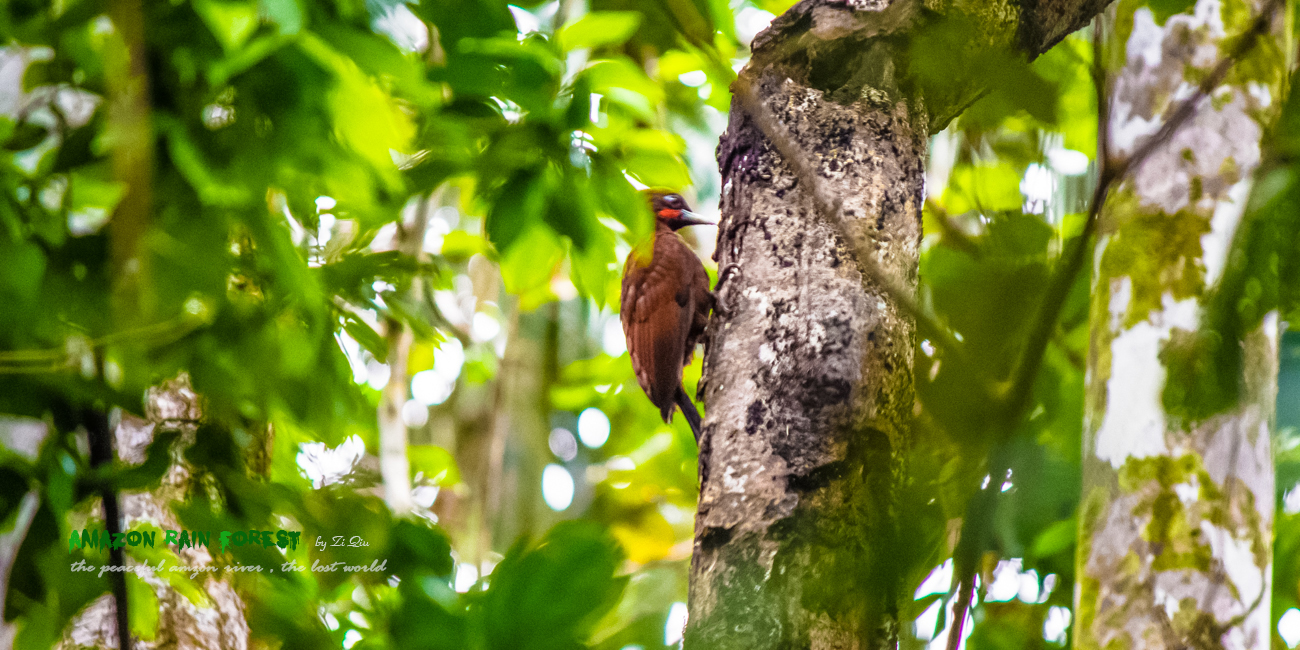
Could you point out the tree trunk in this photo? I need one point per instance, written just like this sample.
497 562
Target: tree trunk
394 464
220 624
809 384
808 373
1177 514
512 483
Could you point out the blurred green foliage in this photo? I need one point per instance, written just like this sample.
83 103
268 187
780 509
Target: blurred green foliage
1262 276
291 136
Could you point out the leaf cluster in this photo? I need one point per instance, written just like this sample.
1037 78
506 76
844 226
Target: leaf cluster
289 139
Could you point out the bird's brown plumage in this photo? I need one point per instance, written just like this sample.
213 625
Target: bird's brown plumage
665 307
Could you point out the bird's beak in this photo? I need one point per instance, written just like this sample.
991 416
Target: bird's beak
688 218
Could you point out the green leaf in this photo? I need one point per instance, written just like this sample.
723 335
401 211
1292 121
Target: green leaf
353 275
378 57
147 474
578 114
621 200
91 191
1069 67
460 245
621 72
231 22
1056 538
1163 10
527 268
366 337
437 463
549 596
144 607
417 548
287 14
46 73
251 54
518 204
570 212
364 117
459 19
40 630
599 28
985 188
13 487
22 270
590 268
189 160
25 135
78 147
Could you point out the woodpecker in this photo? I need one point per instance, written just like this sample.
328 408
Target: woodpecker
665 306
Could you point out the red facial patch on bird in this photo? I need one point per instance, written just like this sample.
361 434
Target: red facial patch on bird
667 213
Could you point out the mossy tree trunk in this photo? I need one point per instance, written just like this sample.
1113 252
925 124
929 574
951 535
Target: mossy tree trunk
1176 521
807 383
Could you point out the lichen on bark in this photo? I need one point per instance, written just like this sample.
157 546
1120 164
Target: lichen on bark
1176 529
809 416
808 371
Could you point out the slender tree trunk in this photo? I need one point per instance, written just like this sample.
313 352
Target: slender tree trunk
394 464
808 374
517 508
129 116
1177 517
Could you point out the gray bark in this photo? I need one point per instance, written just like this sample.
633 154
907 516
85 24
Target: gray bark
1176 523
807 382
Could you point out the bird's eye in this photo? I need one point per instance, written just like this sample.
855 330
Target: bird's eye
673 200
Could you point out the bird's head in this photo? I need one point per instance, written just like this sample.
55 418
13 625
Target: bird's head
671 210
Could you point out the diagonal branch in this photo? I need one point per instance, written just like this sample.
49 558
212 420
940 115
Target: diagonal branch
1019 389
952 233
1111 173
1015 394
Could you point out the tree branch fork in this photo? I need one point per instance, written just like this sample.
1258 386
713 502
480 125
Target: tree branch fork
1010 394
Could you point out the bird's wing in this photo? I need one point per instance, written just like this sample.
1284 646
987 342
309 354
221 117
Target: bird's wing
702 304
658 307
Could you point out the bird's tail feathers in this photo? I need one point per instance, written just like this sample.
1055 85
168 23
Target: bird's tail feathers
692 414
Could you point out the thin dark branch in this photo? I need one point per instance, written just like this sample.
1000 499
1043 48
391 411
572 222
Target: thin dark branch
965 592
979 512
1112 172
1015 397
67 357
100 436
1247 42
952 233
1101 92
